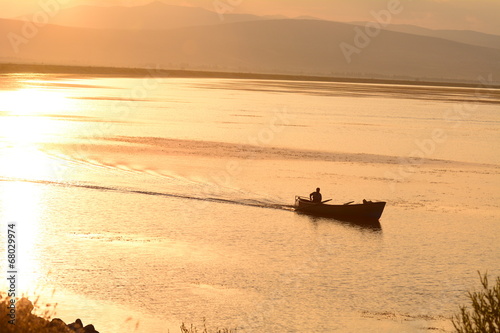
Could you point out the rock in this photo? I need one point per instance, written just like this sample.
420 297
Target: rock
76 325
57 323
37 321
90 329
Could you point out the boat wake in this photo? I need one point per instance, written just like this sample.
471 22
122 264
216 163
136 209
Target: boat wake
242 202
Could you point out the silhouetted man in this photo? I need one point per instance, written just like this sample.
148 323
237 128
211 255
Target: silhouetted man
316 196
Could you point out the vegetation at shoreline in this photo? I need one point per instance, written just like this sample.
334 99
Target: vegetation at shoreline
17 316
20 318
484 317
194 329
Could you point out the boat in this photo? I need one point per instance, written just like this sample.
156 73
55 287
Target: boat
367 210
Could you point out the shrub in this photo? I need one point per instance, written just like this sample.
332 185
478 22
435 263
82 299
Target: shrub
485 314
193 329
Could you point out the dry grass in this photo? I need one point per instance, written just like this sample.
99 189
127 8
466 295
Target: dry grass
194 329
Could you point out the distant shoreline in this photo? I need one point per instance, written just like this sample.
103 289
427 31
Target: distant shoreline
12 68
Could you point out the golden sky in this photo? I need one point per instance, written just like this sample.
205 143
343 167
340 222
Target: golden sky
479 15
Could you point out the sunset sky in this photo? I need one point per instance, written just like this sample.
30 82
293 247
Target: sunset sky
479 15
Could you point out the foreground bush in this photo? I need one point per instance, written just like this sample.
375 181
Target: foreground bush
485 314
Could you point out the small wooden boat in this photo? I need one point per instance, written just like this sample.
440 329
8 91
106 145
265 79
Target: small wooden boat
366 211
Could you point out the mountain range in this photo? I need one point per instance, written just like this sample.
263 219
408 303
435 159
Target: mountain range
153 16
176 37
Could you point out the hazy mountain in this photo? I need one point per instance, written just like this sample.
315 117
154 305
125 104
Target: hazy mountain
270 46
153 16
307 17
160 16
462 36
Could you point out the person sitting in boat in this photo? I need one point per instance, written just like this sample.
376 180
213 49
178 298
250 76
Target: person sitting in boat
316 196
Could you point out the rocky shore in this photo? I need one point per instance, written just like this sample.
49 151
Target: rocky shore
19 318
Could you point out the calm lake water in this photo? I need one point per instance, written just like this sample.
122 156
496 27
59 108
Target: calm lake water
142 203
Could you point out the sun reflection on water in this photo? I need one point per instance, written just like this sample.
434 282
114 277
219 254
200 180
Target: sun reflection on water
23 202
33 101
25 122
26 115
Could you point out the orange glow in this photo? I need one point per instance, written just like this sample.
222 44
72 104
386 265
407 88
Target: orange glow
32 102
25 124
22 127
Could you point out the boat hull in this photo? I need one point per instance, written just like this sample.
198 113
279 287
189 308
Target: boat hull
364 211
